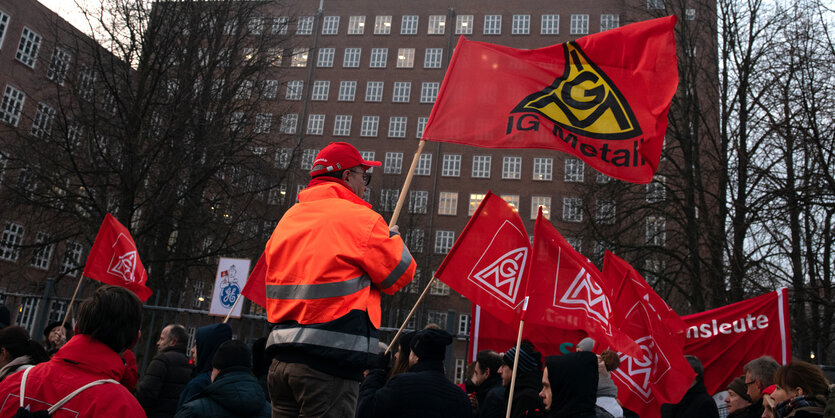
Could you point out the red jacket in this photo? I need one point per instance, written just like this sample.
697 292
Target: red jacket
80 361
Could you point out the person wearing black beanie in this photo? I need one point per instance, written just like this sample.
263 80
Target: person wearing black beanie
528 378
569 385
423 391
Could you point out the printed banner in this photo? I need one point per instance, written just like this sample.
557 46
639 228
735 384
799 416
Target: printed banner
229 281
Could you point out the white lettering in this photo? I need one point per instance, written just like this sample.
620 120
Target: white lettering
737 326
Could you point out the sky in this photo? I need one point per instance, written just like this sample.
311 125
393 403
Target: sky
70 11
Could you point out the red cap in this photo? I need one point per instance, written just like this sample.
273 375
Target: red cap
769 390
340 156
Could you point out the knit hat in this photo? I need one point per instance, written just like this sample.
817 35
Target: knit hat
430 344
232 353
530 360
738 386
586 344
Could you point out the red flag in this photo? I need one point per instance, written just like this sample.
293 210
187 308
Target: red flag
255 288
115 260
728 337
487 264
588 97
660 374
566 291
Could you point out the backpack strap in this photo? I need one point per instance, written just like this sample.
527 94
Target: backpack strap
23 385
67 398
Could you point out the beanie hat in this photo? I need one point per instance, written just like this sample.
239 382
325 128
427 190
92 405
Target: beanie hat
586 344
340 156
739 387
430 344
232 353
529 360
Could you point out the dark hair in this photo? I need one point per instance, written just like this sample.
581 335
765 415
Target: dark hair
401 365
696 365
334 174
178 332
800 374
489 360
610 359
17 342
112 316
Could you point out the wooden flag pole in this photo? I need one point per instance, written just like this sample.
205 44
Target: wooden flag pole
516 357
228 314
404 191
409 316
74 294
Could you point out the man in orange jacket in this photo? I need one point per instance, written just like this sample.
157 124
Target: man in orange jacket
327 262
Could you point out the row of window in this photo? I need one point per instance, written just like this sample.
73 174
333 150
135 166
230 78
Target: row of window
432 57
12 239
320 91
29 46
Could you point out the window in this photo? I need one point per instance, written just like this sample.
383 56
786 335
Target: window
492 24
280 25
418 201
342 125
405 57
72 259
299 58
10 243
244 91
315 124
656 231
464 25
424 166
393 163
433 58
378 57
356 25
429 91
689 14
475 200
275 55
42 255
374 91
401 92
655 4
388 199
382 25
282 157
573 170
511 168
28 312
294 90
464 324
414 241
481 166
325 58
42 122
443 241
59 65
605 211
439 288
270 90
451 165
550 25
512 200
305 25
13 100
448 203
321 89
347 91
657 190
609 21
352 58
542 168
236 121
521 25
436 25
460 369
277 196
369 126
541 201
330 26
4 24
421 125
397 126
602 178
572 209
575 243
308 156
255 26
27 50
289 123
263 123
86 83
579 24
409 25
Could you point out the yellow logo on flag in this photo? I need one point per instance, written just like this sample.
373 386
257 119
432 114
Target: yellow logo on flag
584 101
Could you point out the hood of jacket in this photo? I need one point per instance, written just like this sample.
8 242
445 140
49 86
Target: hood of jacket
573 378
237 390
208 339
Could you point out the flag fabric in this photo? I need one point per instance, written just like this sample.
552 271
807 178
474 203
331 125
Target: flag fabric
488 262
660 374
589 97
727 338
114 259
567 291
255 288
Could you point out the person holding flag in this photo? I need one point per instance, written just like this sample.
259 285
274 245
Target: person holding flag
326 263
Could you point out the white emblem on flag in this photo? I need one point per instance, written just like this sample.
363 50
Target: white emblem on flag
640 374
503 276
123 265
588 295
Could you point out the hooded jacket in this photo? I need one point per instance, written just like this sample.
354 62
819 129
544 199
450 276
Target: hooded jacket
234 393
207 339
573 379
165 377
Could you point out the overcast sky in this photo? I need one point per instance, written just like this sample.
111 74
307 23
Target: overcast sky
69 11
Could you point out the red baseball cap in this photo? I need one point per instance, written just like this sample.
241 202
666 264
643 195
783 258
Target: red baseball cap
340 156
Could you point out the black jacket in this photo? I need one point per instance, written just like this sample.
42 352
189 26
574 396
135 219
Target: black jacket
166 376
490 396
234 393
421 392
573 378
525 394
696 403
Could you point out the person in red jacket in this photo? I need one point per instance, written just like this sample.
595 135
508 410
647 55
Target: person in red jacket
327 262
108 324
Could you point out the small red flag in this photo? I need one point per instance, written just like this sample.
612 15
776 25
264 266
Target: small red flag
488 262
588 97
114 259
256 284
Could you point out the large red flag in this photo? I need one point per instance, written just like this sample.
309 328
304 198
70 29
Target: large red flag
566 291
603 98
115 260
660 374
255 288
728 337
488 262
